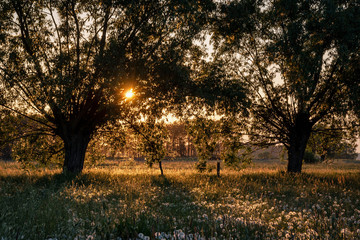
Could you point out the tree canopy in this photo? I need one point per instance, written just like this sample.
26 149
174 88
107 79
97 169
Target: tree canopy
293 55
67 63
280 69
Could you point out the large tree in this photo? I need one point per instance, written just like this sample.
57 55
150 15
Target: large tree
293 54
68 62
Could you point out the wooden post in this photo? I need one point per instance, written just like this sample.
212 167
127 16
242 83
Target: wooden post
218 168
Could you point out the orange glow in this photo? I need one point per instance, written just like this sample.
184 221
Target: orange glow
129 94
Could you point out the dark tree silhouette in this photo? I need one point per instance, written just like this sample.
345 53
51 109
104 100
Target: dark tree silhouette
68 62
293 55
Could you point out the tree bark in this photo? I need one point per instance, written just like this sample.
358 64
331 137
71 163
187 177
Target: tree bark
75 149
299 137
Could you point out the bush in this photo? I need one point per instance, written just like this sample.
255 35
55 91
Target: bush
310 157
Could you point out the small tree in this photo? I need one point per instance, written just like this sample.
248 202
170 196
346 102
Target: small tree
153 137
235 152
205 136
223 135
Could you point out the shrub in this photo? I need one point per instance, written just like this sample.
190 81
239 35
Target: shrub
310 157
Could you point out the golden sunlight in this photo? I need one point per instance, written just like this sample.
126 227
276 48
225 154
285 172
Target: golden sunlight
129 94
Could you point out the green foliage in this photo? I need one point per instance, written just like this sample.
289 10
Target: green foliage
107 142
205 136
69 61
29 143
330 140
219 139
310 157
153 137
234 153
38 150
352 75
292 55
347 151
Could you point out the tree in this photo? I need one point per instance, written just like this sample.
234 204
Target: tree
68 62
352 80
153 137
179 139
205 137
329 143
292 54
219 139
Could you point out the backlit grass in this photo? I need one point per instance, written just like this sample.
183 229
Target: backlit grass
128 200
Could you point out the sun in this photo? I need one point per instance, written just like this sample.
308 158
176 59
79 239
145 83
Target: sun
129 94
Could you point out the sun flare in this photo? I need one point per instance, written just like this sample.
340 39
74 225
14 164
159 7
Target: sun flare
129 94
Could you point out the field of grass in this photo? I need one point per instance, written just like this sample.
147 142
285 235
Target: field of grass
127 200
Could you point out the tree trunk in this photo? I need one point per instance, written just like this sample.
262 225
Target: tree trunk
299 137
6 152
218 169
75 149
161 169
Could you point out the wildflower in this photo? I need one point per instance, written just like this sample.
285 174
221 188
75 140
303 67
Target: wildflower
90 237
345 231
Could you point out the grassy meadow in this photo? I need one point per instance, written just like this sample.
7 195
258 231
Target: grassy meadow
123 200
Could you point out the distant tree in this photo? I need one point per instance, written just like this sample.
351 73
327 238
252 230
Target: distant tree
329 143
311 157
153 137
205 136
68 62
264 155
108 141
293 55
178 139
220 139
235 151
348 151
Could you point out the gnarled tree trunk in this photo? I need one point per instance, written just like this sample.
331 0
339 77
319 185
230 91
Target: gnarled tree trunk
75 148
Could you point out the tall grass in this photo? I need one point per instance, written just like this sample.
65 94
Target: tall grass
128 200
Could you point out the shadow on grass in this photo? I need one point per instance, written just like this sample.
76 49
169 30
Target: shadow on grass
66 206
175 207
